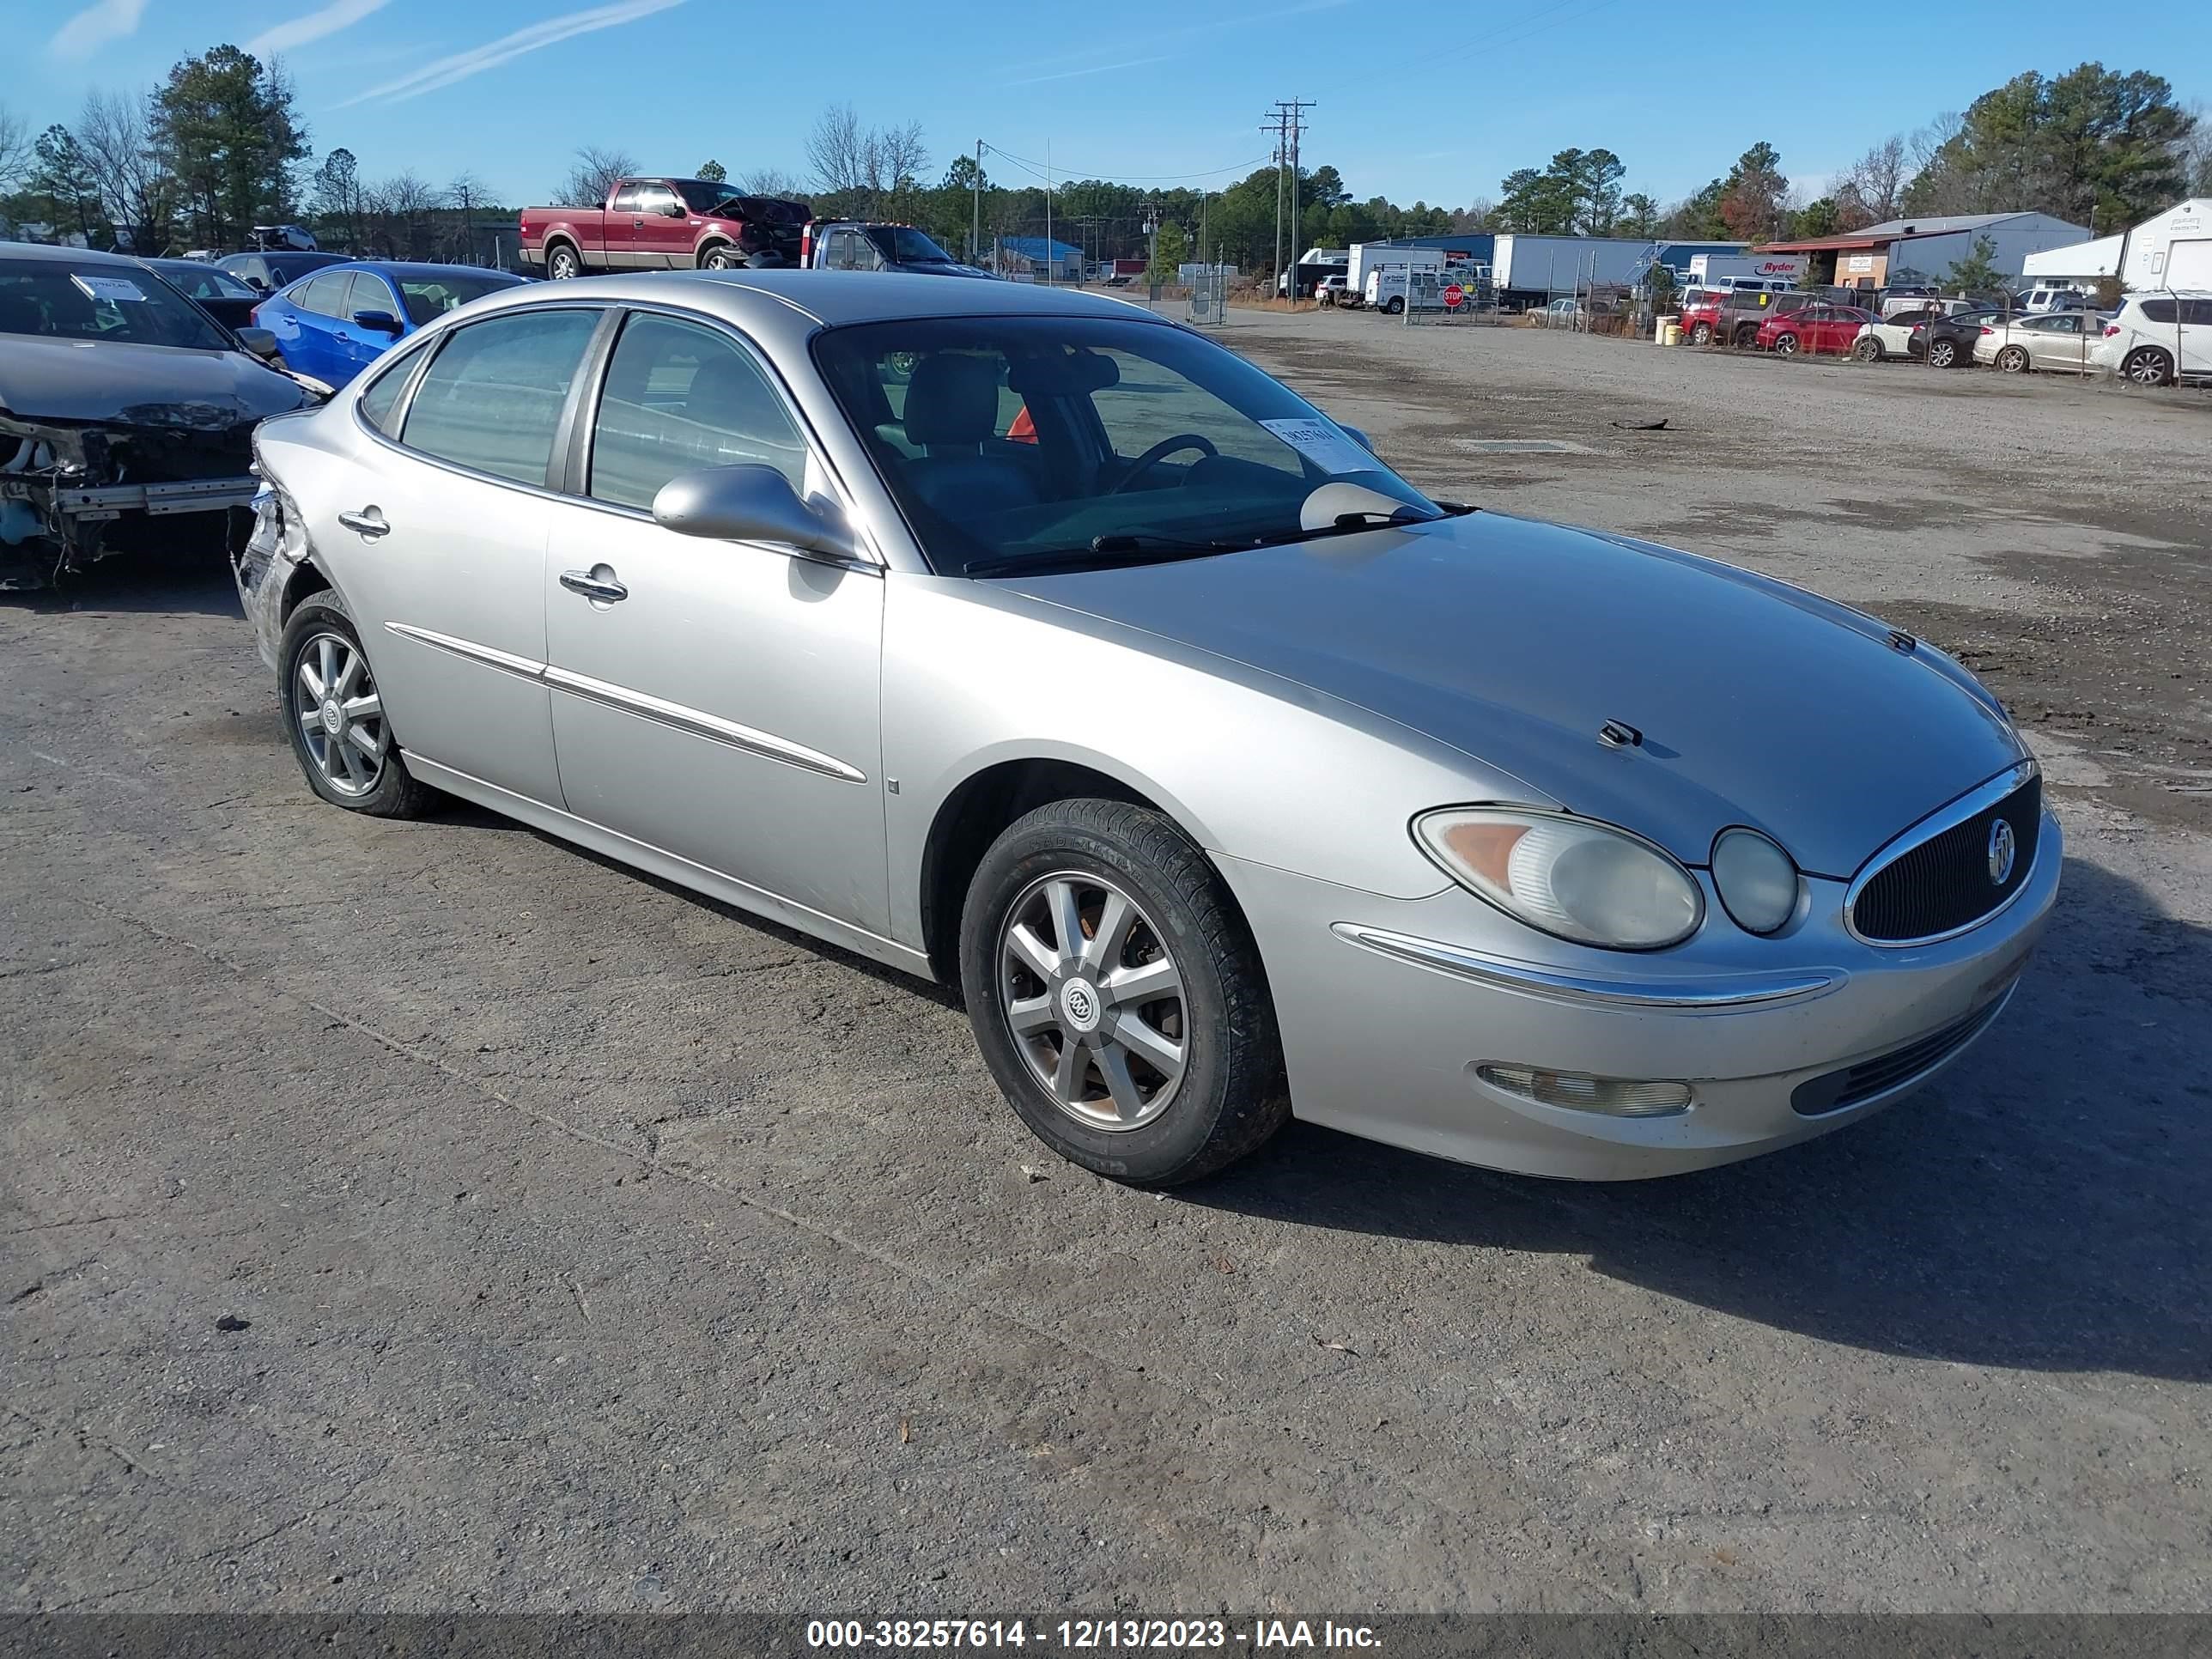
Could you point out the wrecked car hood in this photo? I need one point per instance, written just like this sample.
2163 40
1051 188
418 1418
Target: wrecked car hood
125 384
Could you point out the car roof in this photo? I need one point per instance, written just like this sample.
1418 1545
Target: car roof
74 255
420 268
831 299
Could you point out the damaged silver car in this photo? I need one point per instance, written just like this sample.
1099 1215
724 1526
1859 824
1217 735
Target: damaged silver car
122 406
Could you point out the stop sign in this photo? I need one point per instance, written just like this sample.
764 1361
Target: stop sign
1455 296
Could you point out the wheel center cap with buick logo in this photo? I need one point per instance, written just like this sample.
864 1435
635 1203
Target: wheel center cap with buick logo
1080 1003
333 717
2002 849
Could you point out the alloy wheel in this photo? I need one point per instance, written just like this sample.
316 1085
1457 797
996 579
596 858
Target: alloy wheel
341 716
1939 354
1093 999
2147 368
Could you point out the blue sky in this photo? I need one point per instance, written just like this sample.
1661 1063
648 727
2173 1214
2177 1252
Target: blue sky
1436 103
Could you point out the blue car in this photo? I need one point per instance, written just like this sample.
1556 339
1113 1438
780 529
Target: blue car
335 322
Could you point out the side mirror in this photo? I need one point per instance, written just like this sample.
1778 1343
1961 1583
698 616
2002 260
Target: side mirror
671 210
1358 437
382 322
748 502
258 343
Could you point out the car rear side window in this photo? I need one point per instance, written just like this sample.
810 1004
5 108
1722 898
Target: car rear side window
2159 311
323 296
492 400
382 395
2196 312
679 396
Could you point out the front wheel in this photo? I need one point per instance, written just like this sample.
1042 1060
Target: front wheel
334 714
2013 359
1785 345
1117 996
1943 354
718 258
1702 334
2148 366
562 263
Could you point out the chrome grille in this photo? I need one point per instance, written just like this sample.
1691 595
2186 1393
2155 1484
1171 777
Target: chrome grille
1943 884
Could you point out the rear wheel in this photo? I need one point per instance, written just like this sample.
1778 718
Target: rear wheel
1117 996
2012 360
1745 338
562 263
1866 349
1395 307
334 715
2148 366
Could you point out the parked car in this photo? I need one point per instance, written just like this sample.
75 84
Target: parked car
335 323
214 290
267 272
1562 314
1894 335
125 412
1701 317
2056 341
2157 338
1746 310
1949 341
661 224
1330 290
1820 327
853 245
1685 864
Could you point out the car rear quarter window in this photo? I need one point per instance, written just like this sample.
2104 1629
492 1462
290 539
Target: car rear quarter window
679 398
382 395
492 399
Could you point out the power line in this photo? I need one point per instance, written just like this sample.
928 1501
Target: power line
1287 119
1090 173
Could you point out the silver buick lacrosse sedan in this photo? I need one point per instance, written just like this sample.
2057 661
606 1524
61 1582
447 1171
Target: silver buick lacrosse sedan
1023 641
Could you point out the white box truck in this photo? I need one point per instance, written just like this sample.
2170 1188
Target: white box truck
1532 271
1767 270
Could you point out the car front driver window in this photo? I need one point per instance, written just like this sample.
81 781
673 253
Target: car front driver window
679 398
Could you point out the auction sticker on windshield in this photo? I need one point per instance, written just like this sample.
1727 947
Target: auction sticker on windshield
109 287
1323 445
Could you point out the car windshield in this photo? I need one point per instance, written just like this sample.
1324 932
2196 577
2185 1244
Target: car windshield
906 247
203 282
1009 441
429 298
67 301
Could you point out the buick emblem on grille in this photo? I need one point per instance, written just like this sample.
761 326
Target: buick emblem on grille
2002 851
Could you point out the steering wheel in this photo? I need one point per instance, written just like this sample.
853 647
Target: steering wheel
1159 452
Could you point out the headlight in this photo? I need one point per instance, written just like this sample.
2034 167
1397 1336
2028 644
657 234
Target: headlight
1756 880
1568 877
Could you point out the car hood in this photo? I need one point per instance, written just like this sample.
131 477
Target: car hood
1515 641
119 383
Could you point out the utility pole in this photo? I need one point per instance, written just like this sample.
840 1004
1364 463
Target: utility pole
975 235
1286 121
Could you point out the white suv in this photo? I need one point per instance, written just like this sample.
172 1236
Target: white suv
2158 338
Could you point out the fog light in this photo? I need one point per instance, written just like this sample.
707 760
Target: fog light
1612 1096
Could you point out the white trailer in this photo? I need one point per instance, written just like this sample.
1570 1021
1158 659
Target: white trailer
1534 271
1720 270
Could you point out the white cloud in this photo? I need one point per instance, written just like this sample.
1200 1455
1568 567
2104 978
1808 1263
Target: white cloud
1096 69
95 25
338 14
447 71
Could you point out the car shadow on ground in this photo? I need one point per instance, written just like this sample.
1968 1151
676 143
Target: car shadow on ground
2047 1205
194 583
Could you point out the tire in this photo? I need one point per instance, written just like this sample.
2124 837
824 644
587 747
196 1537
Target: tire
2012 360
1785 345
562 262
1867 351
2148 366
717 256
1702 334
1942 353
318 643
1096 1100
1395 307
1747 337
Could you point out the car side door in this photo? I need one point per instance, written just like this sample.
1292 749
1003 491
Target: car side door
620 224
306 322
716 701
2055 341
355 343
437 537
661 229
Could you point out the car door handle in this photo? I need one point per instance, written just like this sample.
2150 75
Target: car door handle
369 522
597 583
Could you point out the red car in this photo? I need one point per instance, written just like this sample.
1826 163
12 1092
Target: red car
1701 318
660 224
1819 327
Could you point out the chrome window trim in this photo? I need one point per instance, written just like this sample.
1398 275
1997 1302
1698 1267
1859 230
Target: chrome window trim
1705 995
1979 798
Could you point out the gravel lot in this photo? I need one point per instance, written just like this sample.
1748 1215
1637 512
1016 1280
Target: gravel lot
427 1217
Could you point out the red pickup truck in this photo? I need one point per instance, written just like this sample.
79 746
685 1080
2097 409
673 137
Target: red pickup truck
663 224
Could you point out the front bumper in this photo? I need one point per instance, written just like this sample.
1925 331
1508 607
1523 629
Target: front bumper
1387 1008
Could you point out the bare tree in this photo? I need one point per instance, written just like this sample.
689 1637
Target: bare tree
598 170
15 146
138 192
467 192
836 150
872 167
1872 187
399 210
771 181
